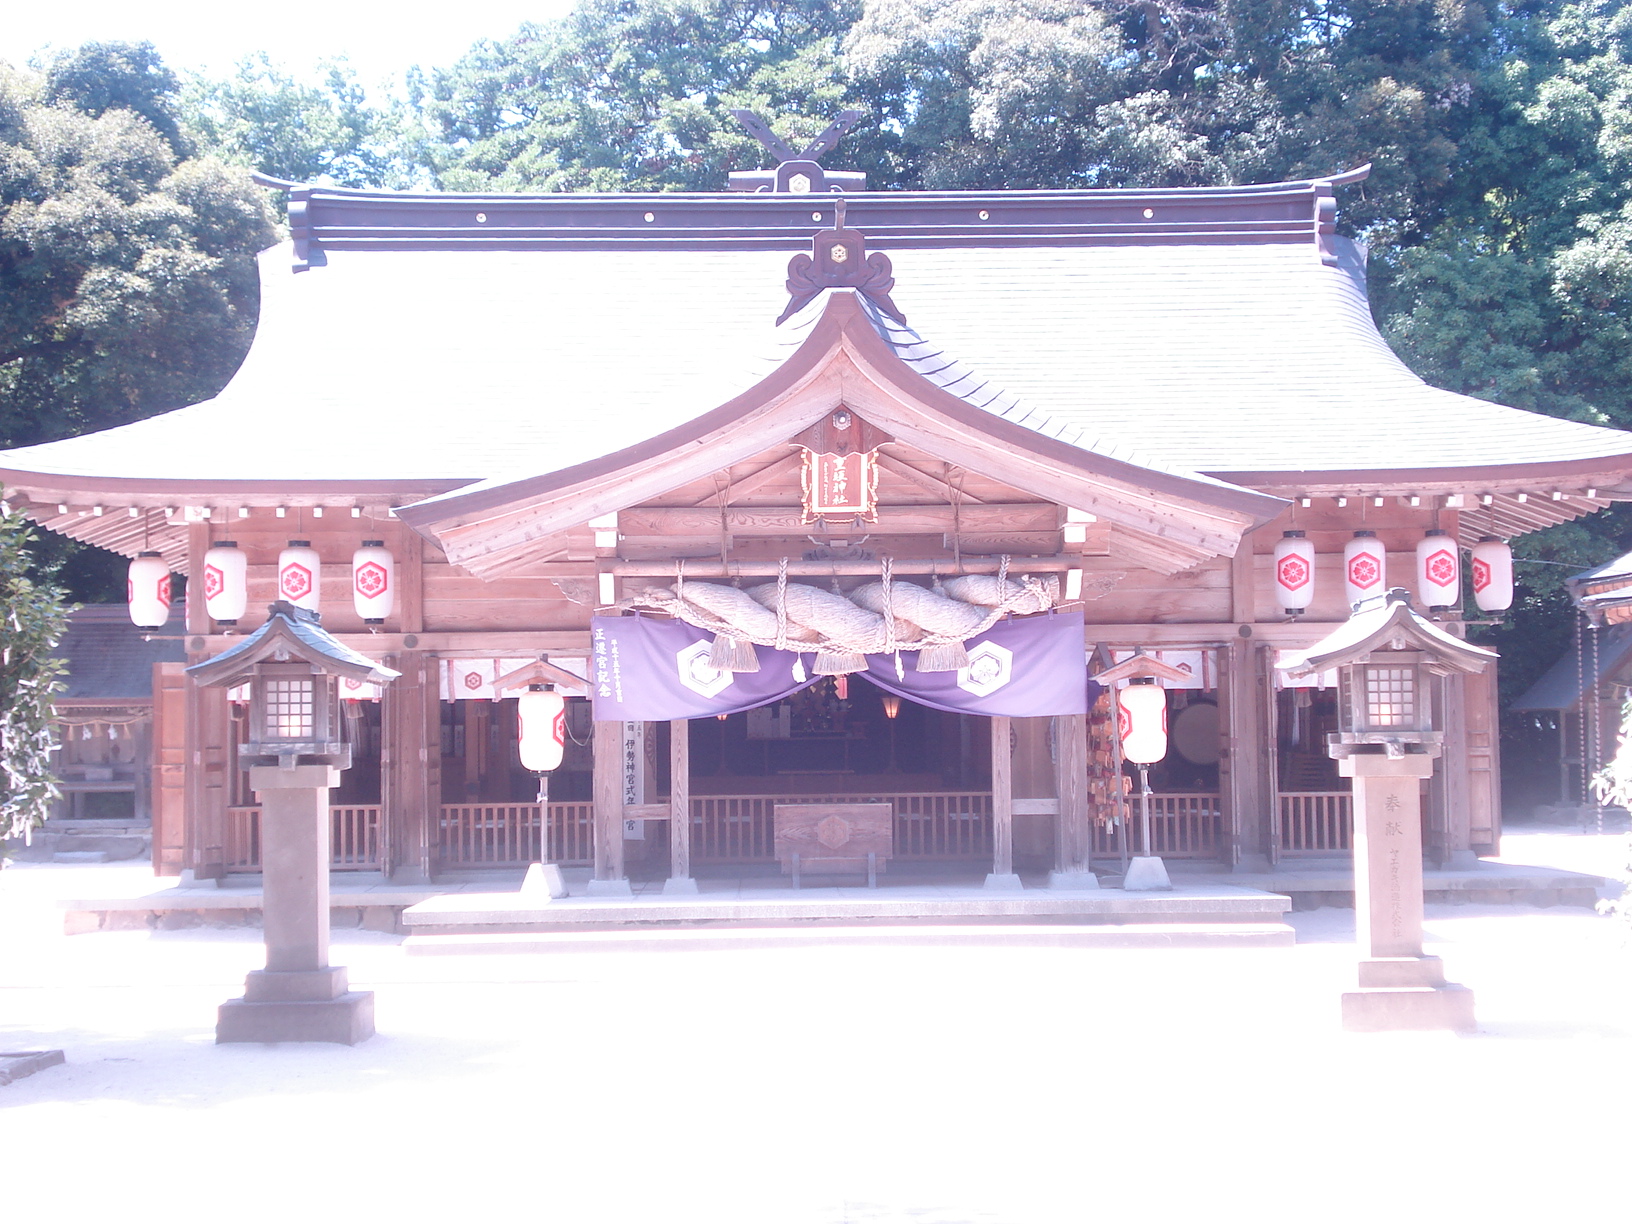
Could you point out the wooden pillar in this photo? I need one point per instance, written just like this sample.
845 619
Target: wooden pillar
169 769
609 879
1002 874
680 878
209 739
1073 829
1484 773
1243 754
411 767
1447 831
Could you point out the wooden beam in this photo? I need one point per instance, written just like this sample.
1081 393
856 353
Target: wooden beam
770 473
924 480
754 569
789 520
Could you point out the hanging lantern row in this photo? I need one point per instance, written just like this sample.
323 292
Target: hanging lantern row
1365 566
1141 720
225 581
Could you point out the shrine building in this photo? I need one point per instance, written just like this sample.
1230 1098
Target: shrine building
835 445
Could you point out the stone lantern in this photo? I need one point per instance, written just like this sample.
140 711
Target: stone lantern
1386 742
294 756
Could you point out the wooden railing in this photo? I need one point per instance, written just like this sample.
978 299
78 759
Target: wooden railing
354 838
1181 826
507 834
929 825
1316 822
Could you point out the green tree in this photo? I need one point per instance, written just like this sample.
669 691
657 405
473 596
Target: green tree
632 95
127 275
33 619
263 117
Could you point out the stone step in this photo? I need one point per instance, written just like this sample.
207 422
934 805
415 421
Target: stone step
1094 935
80 856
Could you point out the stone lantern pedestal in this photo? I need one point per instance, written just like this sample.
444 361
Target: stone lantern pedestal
1400 988
1387 740
294 754
299 996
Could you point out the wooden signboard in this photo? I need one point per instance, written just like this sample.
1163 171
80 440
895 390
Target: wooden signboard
834 838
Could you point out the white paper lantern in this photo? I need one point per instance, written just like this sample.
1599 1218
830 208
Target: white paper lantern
147 590
1365 567
1439 571
1493 575
1141 720
226 582
1294 573
541 726
373 581
299 575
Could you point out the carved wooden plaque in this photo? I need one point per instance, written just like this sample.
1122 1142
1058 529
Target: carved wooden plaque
833 838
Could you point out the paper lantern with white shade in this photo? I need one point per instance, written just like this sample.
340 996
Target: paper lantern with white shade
300 575
1493 575
1141 720
541 727
226 582
1365 567
1294 572
147 590
373 581
1439 571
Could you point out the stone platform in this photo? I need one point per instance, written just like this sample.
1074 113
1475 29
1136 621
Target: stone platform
759 909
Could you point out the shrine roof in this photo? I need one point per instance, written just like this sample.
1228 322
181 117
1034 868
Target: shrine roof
110 659
423 351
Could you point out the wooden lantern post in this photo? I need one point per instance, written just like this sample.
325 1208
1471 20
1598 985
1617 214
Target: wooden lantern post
1387 743
294 757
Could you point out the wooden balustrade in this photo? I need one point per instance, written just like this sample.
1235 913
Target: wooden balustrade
1181 826
929 825
354 838
1316 822
507 834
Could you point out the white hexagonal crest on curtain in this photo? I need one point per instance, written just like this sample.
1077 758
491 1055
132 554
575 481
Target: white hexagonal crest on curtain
697 674
990 667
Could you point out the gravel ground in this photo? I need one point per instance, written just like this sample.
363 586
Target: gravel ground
819 1085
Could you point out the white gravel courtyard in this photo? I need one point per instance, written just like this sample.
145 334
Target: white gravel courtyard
827 1084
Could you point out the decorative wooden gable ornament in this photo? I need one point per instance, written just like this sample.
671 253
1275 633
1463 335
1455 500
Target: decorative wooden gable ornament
838 259
839 476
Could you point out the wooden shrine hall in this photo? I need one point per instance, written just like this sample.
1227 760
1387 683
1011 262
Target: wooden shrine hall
1167 412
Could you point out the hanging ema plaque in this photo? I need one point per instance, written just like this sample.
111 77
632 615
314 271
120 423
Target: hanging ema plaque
841 485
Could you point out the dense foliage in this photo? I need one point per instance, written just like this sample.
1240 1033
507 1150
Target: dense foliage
33 619
127 266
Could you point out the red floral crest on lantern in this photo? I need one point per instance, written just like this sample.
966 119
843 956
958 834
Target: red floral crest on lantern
1292 572
1440 567
295 581
371 579
1364 570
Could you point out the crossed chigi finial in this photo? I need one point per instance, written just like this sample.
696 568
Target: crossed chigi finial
797 173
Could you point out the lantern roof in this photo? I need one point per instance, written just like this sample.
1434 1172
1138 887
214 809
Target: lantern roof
289 634
1386 623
